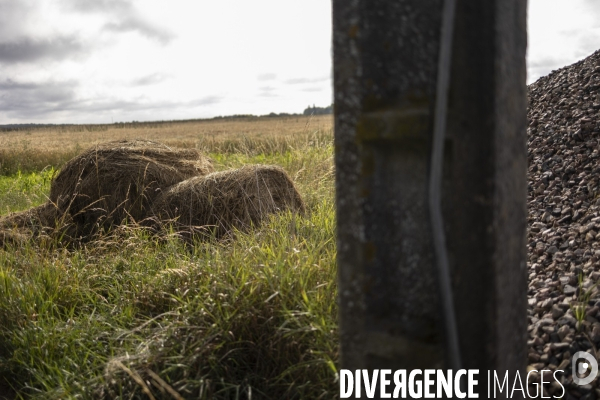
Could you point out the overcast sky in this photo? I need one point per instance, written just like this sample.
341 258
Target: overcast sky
99 61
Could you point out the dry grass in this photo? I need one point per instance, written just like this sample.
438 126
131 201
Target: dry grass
36 148
34 218
42 224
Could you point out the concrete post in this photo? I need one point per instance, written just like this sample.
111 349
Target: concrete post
385 69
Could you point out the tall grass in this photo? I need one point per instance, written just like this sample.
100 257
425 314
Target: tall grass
27 160
33 149
132 316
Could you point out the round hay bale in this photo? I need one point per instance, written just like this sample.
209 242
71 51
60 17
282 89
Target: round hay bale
224 200
119 180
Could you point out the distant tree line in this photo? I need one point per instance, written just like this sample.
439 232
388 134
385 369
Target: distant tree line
318 110
281 115
308 111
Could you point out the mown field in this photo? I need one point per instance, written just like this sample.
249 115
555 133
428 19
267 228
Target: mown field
132 316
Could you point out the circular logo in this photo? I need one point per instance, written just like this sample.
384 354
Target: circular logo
580 368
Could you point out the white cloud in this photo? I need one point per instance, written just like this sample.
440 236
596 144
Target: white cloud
561 33
152 59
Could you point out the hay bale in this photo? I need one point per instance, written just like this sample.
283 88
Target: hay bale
41 222
34 219
230 199
117 180
18 228
13 237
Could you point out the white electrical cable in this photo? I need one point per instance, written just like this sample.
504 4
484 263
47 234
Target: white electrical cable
435 183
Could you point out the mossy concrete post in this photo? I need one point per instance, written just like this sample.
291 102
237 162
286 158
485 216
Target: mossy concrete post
385 70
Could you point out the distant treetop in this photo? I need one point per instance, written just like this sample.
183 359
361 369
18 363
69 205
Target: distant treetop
318 110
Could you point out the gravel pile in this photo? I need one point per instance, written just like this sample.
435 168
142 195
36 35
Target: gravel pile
564 221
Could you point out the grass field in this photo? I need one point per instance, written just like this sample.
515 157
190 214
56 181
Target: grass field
35 149
131 316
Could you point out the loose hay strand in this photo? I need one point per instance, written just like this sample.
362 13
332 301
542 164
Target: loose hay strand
136 377
164 384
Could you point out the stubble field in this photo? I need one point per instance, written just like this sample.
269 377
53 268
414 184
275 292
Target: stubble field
131 316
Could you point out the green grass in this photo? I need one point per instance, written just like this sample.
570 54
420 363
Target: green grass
24 190
128 315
